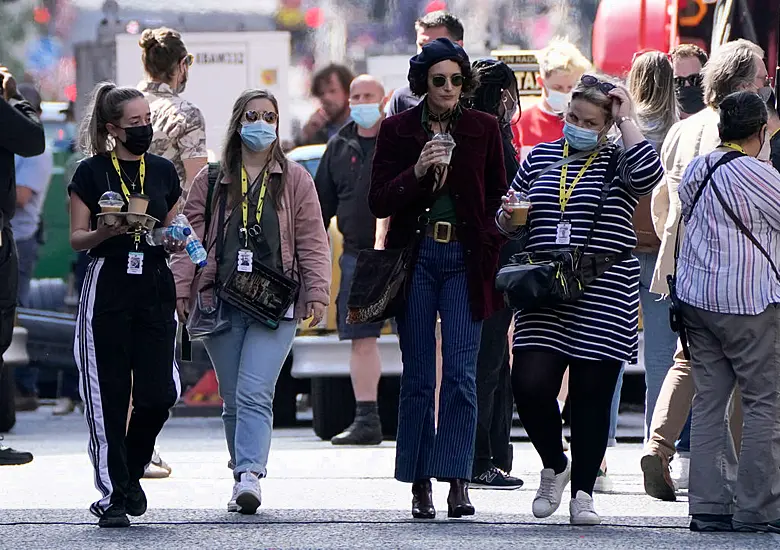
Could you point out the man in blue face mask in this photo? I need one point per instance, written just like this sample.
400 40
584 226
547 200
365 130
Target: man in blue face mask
343 180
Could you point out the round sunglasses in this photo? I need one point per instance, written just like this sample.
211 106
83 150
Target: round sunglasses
591 81
440 80
250 117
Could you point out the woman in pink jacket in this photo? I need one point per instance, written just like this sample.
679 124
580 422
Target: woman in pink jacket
264 218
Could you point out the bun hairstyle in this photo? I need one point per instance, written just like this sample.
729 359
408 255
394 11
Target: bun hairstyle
106 105
163 50
742 115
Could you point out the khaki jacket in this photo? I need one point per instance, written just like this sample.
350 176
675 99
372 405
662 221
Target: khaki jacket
688 139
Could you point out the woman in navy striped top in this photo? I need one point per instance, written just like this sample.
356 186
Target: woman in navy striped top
596 334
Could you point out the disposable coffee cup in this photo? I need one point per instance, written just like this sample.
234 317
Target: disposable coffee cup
111 203
448 142
138 204
519 214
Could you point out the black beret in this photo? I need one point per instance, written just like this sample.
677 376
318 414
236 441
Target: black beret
435 51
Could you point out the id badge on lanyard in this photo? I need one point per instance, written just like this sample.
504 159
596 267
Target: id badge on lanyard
564 227
245 256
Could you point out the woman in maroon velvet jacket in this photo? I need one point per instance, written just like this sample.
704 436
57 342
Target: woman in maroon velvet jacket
454 269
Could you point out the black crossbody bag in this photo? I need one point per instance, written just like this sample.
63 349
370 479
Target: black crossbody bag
547 278
676 321
264 294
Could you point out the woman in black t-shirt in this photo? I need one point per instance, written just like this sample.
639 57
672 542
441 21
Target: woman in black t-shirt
125 326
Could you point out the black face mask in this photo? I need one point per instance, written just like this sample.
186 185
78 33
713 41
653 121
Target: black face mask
690 99
138 138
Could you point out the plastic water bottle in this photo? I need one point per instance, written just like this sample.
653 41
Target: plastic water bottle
196 251
194 247
175 232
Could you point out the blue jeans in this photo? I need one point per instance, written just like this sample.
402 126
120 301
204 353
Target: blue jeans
660 341
615 410
248 359
425 449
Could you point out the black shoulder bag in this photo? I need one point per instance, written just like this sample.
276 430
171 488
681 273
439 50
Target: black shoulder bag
547 278
675 315
379 285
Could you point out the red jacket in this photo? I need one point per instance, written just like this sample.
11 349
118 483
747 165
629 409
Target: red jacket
477 181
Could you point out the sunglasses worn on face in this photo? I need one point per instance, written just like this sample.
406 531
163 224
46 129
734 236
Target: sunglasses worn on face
591 81
690 80
250 117
188 59
440 80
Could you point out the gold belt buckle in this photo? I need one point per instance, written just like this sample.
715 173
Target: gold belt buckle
446 228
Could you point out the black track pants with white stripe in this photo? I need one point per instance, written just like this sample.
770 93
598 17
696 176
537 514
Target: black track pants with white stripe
125 325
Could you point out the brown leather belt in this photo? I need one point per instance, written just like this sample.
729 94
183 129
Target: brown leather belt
441 232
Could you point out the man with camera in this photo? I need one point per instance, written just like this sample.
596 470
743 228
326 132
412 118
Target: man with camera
21 134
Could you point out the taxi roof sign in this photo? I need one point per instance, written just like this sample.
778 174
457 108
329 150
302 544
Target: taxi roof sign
525 65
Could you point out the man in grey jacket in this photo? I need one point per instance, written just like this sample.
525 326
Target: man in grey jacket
21 134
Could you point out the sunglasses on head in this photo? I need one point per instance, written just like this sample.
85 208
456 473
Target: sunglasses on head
591 81
188 59
440 80
250 117
690 80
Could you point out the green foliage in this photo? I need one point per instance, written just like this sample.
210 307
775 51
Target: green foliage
15 25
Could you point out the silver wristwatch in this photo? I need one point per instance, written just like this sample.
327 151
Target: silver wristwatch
620 120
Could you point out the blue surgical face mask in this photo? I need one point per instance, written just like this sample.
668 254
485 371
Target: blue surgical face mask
258 136
581 139
366 114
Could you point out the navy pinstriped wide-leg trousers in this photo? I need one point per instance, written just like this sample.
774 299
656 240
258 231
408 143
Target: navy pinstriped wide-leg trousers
424 450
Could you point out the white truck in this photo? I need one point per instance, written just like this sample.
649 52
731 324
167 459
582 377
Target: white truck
225 65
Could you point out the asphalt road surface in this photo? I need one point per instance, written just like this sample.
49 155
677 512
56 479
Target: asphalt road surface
316 496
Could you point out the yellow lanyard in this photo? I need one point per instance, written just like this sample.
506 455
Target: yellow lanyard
774 133
125 190
564 192
141 174
245 203
735 147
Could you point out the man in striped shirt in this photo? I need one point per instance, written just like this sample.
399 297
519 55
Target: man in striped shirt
734 66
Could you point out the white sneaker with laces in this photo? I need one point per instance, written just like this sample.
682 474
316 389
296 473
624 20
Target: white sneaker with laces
248 495
232 505
581 510
550 492
681 472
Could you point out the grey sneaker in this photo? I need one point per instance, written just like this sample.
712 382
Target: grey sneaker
551 487
232 505
248 495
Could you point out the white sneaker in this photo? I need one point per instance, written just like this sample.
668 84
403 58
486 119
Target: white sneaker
603 483
232 505
157 468
681 472
248 496
63 406
581 510
550 492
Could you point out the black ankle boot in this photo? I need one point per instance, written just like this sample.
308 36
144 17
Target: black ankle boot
422 500
366 428
458 503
